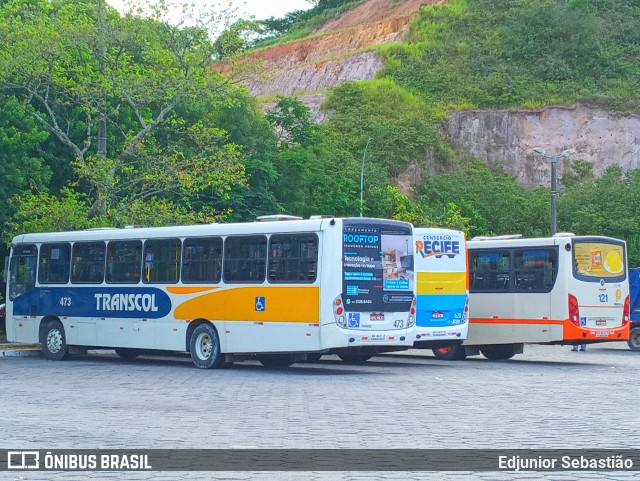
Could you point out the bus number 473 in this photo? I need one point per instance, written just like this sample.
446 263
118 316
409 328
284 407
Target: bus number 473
65 301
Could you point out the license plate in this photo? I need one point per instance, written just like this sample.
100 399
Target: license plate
437 315
602 334
376 316
601 322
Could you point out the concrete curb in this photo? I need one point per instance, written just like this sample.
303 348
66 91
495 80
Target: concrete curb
33 351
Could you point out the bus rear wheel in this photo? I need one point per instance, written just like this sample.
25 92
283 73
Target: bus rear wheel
498 352
355 358
205 347
450 353
276 360
634 339
54 341
127 353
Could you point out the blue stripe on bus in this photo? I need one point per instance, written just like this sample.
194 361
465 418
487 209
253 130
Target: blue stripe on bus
120 302
450 305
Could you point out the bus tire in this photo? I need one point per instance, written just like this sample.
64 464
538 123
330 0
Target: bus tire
355 358
276 360
498 352
205 347
450 353
127 353
634 339
54 341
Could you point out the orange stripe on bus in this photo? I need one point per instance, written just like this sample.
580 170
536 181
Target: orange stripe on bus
189 290
603 307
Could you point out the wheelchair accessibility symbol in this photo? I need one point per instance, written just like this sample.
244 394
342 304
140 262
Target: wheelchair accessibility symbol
353 319
260 304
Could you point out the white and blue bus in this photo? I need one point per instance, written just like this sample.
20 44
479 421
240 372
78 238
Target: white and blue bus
442 290
279 291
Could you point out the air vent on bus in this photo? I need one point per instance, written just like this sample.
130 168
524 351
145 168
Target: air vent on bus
564 234
276 217
321 217
497 237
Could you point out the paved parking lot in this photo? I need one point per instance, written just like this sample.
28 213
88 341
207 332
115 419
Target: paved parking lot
547 397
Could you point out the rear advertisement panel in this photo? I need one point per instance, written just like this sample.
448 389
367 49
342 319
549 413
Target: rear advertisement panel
377 265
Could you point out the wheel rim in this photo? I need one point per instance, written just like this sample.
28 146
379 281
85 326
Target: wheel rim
204 346
54 340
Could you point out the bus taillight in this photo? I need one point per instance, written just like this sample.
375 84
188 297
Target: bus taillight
626 312
574 310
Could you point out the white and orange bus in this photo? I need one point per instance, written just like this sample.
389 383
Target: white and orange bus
565 289
278 291
442 290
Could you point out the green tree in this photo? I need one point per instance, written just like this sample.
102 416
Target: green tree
73 64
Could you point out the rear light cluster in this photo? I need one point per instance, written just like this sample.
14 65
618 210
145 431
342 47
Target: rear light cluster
626 312
574 310
465 314
412 313
338 312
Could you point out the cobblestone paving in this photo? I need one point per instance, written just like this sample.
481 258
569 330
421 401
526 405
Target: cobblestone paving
548 397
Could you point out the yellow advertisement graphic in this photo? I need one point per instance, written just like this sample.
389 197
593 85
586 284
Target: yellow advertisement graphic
599 259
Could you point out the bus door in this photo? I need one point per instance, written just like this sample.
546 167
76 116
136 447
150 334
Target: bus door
22 302
599 289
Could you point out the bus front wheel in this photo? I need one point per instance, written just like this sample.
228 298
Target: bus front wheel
205 347
450 353
634 339
498 352
54 341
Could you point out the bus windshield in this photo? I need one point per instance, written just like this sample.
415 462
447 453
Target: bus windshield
377 266
595 260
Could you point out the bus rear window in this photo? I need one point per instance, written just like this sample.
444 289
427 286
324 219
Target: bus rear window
599 260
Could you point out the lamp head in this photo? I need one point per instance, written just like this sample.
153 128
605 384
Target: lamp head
539 150
567 152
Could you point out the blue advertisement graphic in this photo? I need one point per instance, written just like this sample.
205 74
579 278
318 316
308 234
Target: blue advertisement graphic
377 274
121 302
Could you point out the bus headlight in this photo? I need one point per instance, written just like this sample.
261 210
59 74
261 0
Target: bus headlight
341 321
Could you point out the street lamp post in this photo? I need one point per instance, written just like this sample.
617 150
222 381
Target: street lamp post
554 180
364 155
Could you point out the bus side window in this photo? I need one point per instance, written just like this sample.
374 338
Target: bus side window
245 259
293 258
124 261
87 262
55 263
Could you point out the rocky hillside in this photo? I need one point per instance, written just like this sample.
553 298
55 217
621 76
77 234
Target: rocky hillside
339 52
342 50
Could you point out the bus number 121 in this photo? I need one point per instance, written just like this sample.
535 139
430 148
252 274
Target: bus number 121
604 297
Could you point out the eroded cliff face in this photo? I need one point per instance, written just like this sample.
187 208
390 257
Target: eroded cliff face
341 51
506 138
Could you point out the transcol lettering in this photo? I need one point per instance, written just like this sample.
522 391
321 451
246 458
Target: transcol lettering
126 302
